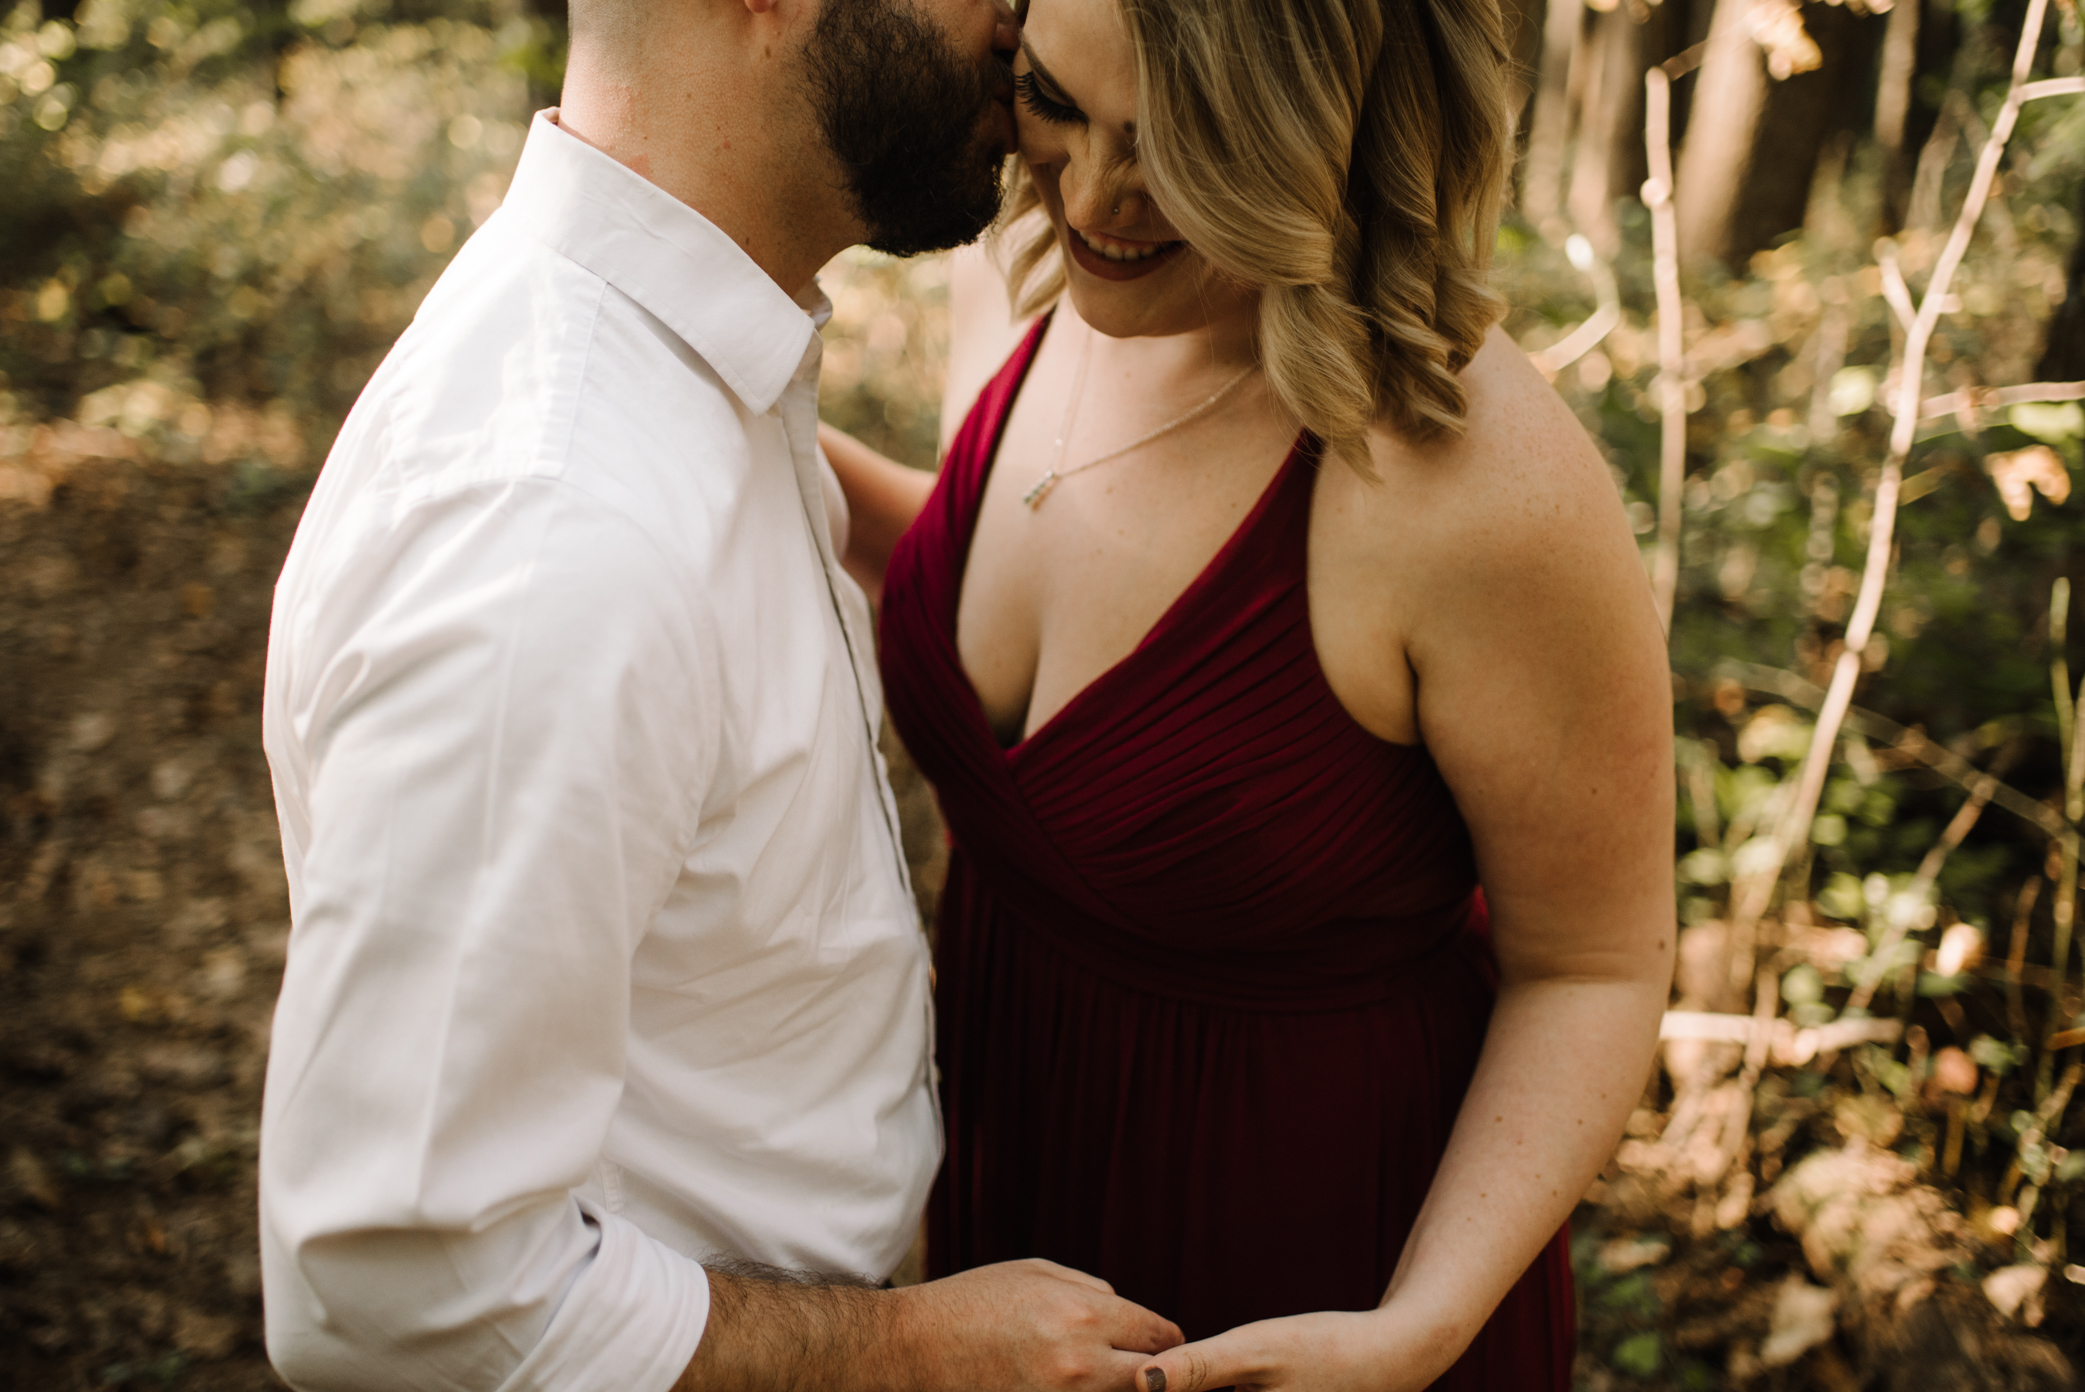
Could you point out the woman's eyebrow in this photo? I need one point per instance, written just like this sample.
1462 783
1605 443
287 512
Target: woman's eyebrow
1040 71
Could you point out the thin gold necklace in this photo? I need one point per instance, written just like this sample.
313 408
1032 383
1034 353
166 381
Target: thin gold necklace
1034 496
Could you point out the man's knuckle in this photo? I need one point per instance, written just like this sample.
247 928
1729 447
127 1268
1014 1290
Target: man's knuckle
1066 1368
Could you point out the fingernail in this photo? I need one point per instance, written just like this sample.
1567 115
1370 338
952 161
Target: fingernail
1155 1379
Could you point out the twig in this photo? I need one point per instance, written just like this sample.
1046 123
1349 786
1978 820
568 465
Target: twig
1894 290
1786 1043
1906 741
1672 388
2053 87
1606 314
1751 898
1922 887
1933 158
2016 956
1831 356
1766 1005
2048 1107
1685 61
1697 760
2065 909
1975 399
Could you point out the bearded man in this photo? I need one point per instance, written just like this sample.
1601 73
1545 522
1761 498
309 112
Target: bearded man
603 1042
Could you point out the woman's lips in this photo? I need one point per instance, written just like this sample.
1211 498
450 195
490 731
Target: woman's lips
1099 266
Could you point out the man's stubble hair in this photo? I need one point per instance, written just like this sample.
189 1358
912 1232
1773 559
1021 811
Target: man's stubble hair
902 113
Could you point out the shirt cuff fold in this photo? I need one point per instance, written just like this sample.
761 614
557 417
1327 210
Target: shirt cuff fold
630 1322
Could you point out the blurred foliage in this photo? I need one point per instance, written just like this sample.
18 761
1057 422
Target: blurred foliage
218 203
222 216
1789 378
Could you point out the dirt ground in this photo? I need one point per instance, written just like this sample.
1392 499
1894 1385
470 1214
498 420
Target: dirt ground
142 923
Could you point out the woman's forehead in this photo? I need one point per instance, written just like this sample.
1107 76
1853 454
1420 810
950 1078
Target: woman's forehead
1084 47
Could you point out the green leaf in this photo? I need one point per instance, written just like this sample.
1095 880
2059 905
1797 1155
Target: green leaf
1639 1355
2049 421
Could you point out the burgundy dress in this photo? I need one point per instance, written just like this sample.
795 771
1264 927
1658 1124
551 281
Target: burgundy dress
1212 966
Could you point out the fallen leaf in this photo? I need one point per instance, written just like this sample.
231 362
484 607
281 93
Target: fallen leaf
2019 473
2017 1290
1803 1318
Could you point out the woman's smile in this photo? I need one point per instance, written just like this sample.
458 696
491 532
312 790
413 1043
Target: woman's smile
1119 258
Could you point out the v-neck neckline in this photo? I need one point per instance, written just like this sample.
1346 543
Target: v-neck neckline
1203 579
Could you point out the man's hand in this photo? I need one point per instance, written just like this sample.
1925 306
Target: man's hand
1026 1326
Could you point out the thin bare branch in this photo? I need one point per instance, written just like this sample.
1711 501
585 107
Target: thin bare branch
1831 356
1975 399
1894 290
2053 87
1751 897
1605 316
1908 742
1786 1043
1672 387
1922 889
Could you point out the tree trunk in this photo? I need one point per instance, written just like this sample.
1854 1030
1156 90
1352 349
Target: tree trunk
1609 161
1549 134
1716 161
1893 107
1800 114
1753 143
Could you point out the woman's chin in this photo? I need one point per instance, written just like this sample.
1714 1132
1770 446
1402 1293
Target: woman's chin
1147 307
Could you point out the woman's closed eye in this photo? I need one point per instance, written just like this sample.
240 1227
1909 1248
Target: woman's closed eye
1043 106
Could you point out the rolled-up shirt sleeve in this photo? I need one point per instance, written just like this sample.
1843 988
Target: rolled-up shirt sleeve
499 721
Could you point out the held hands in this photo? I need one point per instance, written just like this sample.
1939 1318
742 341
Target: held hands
1031 1326
1381 1350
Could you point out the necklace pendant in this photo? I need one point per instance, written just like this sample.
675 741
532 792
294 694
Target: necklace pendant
1034 496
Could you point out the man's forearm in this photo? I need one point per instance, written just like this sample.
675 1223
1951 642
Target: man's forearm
1026 1326
776 1331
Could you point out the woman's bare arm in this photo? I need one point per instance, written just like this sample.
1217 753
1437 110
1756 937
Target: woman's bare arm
1543 697
883 496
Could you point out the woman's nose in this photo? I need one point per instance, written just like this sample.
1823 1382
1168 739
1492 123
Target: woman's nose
1099 200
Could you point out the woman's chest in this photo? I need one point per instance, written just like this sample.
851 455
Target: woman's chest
1060 587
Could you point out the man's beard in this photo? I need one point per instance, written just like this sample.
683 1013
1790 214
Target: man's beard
903 114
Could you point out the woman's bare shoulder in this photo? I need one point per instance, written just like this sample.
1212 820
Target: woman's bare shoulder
1522 483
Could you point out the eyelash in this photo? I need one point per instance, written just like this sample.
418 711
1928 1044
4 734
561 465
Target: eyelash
1043 106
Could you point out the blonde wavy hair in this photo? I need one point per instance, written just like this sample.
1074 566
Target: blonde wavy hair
1347 156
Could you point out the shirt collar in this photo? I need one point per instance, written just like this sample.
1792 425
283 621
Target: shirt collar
667 257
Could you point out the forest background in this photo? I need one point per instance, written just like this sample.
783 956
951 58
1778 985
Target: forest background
1810 273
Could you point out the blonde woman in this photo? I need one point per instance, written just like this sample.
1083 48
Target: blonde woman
1267 605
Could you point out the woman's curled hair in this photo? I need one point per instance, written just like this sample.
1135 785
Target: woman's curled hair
1348 156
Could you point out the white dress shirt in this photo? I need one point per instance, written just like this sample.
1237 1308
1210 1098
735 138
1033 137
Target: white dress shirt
604 958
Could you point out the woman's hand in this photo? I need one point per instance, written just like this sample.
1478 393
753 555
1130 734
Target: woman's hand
1385 1350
